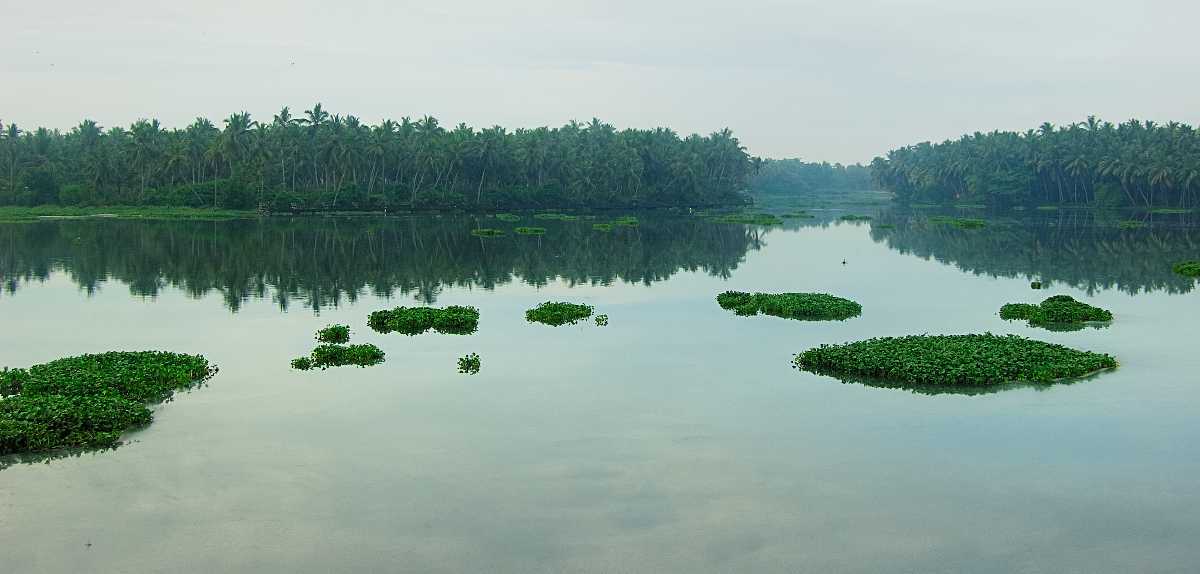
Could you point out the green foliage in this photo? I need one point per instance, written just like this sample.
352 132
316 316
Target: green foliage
486 232
1035 284
469 364
627 221
975 360
601 320
1169 211
555 216
302 363
90 400
328 355
452 320
852 217
508 217
602 226
749 219
1131 224
1187 268
1059 310
334 334
794 177
530 231
804 306
959 222
558 313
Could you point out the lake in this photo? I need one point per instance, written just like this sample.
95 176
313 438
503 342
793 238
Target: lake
676 439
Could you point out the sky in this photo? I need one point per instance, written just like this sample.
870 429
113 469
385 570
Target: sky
840 81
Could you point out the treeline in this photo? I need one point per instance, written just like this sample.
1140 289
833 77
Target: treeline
323 161
1136 163
795 177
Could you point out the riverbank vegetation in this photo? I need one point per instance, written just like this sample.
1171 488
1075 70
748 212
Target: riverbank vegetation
804 306
556 313
90 400
953 360
452 320
1093 163
793 177
316 160
1059 311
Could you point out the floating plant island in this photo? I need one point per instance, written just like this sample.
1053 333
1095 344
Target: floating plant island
452 320
1060 312
804 306
556 313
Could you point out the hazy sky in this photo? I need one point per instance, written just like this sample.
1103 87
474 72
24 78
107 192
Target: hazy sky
823 80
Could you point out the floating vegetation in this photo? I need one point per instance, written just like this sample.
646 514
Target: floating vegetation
302 363
530 231
508 217
469 364
1035 285
749 219
953 360
959 222
1061 311
798 215
88 401
1047 208
852 217
970 206
804 306
325 356
601 320
602 226
556 216
626 221
452 320
334 334
487 232
1170 211
558 313
1131 224
1187 268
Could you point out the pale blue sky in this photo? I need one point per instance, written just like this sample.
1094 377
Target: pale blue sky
839 81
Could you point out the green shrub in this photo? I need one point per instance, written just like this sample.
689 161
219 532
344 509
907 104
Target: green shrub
452 320
558 313
530 231
334 334
486 232
1057 311
1187 268
953 360
469 364
804 306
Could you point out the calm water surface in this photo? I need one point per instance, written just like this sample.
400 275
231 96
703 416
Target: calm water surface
677 439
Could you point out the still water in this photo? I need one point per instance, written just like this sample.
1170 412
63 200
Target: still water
676 439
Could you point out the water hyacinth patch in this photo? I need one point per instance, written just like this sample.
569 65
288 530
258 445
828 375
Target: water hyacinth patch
452 320
556 216
334 334
1187 268
852 217
804 306
88 401
556 313
1061 311
626 221
968 360
508 217
749 219
602 226
530 231
469 364
365 355
601 320
487 232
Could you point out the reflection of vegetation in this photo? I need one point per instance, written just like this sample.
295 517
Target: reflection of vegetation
90 400
469 364
1187 268
959 222
1079 248
323 261
334 334
808 306
556 313
852 217
452 320
977 360
1061 311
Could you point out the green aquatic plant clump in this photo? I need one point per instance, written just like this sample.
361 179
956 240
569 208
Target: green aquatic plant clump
602 226
88 401
556 313
959 222
364 355
601 320
627 221
1056 311
1131 224
1187 268
555 216
508 217
852 217
334 334
469 364
803 306
530 231
487 232
953 360
749 219
452 320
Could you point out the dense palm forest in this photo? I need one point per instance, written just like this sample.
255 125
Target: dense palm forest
795 177
1091 163
322 161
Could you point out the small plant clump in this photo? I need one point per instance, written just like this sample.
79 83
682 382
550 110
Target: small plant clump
953 360
530 231
88 401
556 216
749 219
1056 311
959 222
452 320
469 364
798 215
1187 268
508 217
1131 224
556 313
602 226
852 217
334 334
486 232
1035 284
601 320
626 221
804 306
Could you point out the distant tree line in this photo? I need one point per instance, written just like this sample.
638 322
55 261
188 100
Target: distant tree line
1090 163
795 177
324 161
